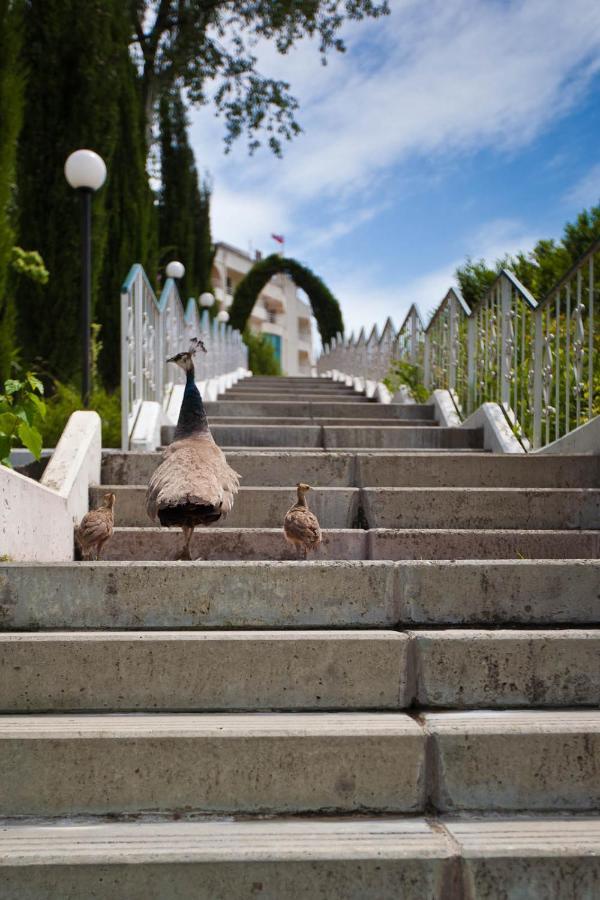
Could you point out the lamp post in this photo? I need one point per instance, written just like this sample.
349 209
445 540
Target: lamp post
86 172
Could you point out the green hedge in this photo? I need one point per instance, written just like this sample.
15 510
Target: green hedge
325 307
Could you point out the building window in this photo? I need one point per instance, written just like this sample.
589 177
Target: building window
275 341
229 285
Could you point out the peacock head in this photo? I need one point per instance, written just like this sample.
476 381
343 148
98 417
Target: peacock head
109 500
185 360
302 488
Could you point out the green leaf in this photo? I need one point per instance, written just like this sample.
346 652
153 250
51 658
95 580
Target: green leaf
35 383
31 439
35 406
5 443
8 423
12 386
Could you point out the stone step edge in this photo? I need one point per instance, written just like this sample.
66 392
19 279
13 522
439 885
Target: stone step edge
94 840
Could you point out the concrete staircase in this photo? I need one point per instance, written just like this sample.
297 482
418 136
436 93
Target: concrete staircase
411 714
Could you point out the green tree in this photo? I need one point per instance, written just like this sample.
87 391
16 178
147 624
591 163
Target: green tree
207 46
83 90
131 217
184 204
11 110
539 269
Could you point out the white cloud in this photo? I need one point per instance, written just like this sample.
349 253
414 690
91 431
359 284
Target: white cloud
586 191
430 83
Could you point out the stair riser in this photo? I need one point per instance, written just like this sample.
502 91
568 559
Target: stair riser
250 595
217 671
254 507
346 468
423 508
462 669
480 508
203 672
246 774
289 879
256 468
320 409
246 420
506 772
331 437
227 543
281 397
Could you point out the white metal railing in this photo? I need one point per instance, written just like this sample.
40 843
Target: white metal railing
154 329
539 361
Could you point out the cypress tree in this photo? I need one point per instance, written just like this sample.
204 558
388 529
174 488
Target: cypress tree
72 50
11 108
131 218
184 208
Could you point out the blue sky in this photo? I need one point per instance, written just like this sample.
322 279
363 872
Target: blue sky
452 128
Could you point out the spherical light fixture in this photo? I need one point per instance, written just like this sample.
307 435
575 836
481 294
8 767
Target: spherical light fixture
206 299
85 170
223 316
175 269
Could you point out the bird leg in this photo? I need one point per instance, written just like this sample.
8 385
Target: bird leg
185 552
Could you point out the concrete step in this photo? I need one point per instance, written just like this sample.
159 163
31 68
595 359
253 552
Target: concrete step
352 543
344 594
267 763
283 859
336 421
344 468
395 508
478 470
468 858
261 396
508 761
553 508
528 857
462 668
187 671
255 507
319 409
91 671
333 437
316 387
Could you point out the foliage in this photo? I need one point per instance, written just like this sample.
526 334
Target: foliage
66 399
62 113
22 411
131 218
325 307
184 203
541 268
11 112
30 264
404 373
209 49
262 359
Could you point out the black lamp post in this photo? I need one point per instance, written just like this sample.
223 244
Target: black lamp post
86 172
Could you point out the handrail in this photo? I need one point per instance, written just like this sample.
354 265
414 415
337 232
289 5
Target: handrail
152 330
539 361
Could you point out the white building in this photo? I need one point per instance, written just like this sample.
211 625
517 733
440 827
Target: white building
278 312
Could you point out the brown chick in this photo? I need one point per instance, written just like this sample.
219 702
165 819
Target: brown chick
301 526
96 528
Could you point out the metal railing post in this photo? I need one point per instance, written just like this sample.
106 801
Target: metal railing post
537 379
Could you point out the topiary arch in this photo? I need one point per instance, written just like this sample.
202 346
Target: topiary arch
325 307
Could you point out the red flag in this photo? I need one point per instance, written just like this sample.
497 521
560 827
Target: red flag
279 238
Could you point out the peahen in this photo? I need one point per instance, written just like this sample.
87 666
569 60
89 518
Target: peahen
301 526
193 485
96 528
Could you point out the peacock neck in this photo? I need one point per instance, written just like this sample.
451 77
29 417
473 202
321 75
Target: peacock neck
192 415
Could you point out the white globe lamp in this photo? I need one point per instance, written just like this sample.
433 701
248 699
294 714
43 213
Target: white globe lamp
175 269
206 299
223 316
85 170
